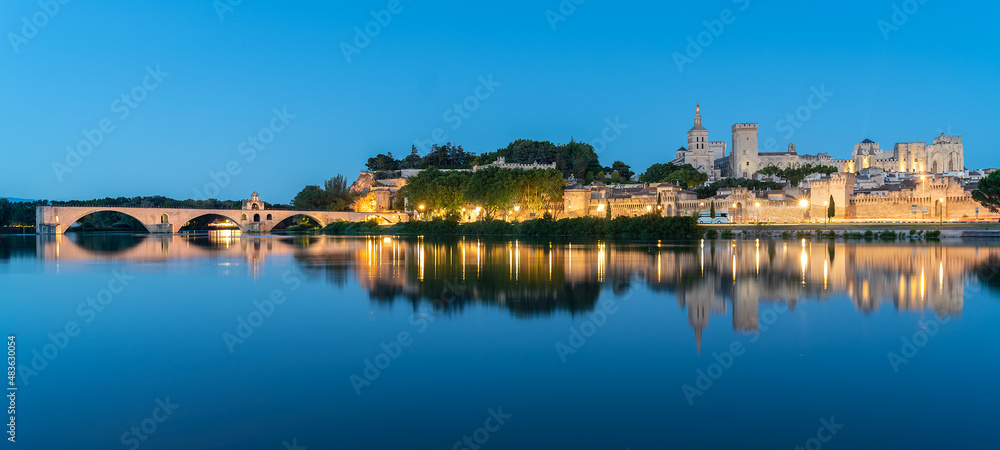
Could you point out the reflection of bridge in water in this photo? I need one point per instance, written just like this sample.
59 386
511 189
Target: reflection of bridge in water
532 278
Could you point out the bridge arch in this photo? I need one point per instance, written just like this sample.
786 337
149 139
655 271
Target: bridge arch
180 220
77 215
277 217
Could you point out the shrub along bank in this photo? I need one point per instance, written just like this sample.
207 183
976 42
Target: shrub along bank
642 227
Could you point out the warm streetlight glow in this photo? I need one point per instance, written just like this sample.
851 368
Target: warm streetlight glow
479 208
649 208
826 203
922 178
600 207
517 208
804 203
757 204
734 205
421 207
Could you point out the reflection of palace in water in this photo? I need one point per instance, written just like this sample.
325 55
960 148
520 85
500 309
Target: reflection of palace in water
530 278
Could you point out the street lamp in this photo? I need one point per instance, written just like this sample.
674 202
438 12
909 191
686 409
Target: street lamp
757 205
942 209
826 211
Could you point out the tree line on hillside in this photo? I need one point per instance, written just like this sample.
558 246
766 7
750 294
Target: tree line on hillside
577 159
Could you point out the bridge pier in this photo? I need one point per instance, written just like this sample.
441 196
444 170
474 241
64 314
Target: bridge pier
160 228
48 228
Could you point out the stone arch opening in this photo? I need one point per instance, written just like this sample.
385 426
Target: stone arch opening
164 218
934 167
255 207
256 217
105 220
269 218
244 218
301 222
209 222
670 210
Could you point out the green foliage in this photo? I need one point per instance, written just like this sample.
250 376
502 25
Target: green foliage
685 175
334 196
831 210
794 175
712 233
712 189
988 192
607 210
711 212
727 234
933 234
887 235
869 234
624 170
574 158
18 213
643 227
437 190
493 190
383 163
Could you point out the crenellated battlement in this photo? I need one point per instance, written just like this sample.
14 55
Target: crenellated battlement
946 139
745 127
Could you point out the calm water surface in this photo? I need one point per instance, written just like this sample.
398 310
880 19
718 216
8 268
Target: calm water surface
220 341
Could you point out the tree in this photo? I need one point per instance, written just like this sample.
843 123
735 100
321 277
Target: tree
382 163
492 189
624 170
437 190
310 198
333 196
831 210
685 175
711 212
412 161
607 210
710 190
988 192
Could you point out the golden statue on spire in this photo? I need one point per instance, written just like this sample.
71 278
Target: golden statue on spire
697 108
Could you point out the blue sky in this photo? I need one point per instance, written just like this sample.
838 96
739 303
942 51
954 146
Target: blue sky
223 72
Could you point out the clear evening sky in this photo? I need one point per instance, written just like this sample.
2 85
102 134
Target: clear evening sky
928 67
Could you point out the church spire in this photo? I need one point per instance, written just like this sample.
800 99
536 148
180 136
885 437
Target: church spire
697 115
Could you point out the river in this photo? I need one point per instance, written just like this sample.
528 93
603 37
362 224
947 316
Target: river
226 341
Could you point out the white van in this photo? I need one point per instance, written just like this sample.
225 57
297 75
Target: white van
719 218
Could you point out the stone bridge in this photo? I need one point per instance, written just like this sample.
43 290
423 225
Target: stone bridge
56 219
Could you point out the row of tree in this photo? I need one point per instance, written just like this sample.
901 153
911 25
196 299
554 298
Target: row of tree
18 214
795 175
685 175
493 189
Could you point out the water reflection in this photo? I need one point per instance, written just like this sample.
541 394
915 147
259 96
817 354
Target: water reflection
531 278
